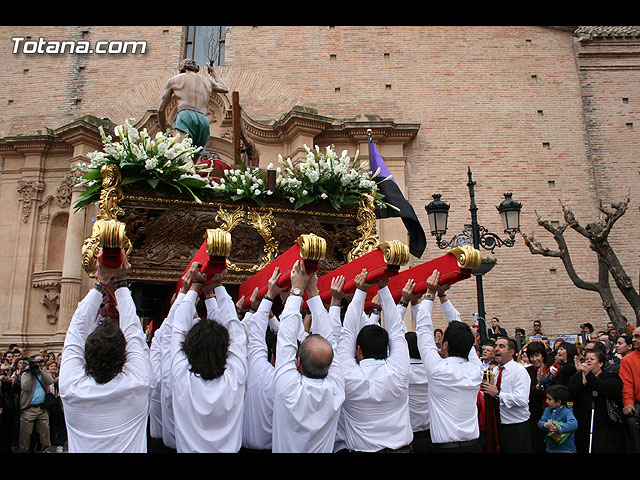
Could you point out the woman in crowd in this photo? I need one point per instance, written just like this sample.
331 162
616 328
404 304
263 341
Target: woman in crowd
589 389
537 352
567 353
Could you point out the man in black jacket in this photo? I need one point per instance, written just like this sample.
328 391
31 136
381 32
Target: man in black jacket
495 330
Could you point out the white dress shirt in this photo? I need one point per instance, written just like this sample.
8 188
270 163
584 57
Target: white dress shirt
336 326
418 380
166 399
155 398
258 401
208 413
376 407
306 410
454 382
110 417
514 393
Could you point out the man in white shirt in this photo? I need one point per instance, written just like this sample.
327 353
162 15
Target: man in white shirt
511 388
105 375
155 397
258 403
208 371
418 380
454 378
375 363
309 387
165 333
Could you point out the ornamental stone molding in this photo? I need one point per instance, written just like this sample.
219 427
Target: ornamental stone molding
49 281
65 190
29 191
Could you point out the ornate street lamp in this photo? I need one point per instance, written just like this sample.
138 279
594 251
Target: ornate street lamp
475 234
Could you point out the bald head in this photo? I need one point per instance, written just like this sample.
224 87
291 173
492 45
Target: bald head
315 355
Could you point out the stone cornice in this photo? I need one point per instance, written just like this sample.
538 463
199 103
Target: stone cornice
301 120
25 144
84 130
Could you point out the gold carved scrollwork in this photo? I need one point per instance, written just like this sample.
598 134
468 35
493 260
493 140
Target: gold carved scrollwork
230 220
107 230
111 194
263 225
468 257
368 239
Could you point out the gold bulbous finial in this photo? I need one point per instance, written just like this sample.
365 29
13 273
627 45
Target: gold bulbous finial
218 242
395 252
468 257
312 247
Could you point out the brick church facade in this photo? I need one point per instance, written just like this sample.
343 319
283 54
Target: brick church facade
547 113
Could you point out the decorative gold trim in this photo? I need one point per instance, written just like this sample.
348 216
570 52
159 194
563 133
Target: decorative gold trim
227 205
468 257
263 225
312 247
218 242
111 194
230 220
107 230
105 233
395 252
367 229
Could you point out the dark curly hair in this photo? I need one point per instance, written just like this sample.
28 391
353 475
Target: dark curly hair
188 64
536 348
104 352
206 346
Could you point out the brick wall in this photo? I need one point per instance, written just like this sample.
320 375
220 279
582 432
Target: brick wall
49 90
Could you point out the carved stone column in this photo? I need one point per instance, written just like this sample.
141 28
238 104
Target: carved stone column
72 272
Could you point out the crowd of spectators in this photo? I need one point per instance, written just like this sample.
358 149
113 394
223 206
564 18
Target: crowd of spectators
26 424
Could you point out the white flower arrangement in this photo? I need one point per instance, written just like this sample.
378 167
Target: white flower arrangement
140 158
323 177
239 184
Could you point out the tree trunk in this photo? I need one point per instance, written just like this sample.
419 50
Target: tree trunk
608 262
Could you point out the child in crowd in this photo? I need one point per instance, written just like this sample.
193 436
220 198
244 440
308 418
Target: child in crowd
558 421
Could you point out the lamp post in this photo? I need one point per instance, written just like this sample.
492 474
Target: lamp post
475 234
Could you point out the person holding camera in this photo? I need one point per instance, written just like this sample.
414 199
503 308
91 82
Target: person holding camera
34 383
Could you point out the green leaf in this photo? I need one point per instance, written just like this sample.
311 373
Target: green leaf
173 184
351 199
192 182
91 190
83 202
92 175
132 179
153 182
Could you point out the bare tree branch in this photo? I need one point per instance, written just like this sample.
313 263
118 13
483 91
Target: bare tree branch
608 263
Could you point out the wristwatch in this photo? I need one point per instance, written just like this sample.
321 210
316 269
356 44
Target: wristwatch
296 291
429 297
